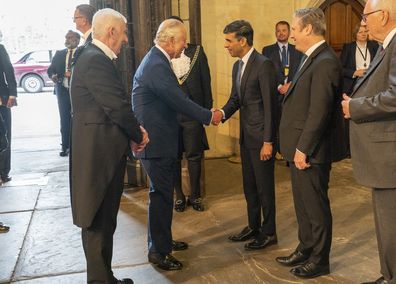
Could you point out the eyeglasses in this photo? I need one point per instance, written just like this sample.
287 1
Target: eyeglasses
75 18
364 16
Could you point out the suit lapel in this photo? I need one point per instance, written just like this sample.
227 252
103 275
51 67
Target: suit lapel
307 63
247 71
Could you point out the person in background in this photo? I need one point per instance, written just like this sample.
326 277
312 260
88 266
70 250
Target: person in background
286 60
8 94
192 71
60 73
356 58
83 15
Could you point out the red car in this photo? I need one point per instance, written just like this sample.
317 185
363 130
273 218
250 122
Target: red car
31 70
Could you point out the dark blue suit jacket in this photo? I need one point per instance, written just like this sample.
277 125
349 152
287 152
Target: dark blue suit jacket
156 100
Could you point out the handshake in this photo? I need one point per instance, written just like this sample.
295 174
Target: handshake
217 116
135 147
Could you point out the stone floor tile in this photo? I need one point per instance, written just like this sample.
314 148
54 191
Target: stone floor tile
18 199
11 242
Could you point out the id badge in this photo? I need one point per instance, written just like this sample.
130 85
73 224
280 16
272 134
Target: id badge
286 70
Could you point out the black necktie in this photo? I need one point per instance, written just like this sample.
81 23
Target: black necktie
68 68
238 77
284 56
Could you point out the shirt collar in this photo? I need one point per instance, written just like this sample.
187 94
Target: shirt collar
109 53
389 38
314 47
86 34
282 44
247 56
164 52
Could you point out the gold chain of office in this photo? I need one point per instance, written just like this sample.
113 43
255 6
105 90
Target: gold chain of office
184 78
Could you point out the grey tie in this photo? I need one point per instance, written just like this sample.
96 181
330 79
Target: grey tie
238 77
303 58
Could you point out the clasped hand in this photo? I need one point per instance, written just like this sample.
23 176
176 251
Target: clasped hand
135 147
217 116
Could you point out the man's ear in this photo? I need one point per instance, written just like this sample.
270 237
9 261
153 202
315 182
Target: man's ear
385 18
308 29
243 41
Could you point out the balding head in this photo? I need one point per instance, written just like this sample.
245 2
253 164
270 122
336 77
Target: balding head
109 26
171 36
380 18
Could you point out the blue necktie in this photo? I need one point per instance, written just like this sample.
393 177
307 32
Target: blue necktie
284 56
238 77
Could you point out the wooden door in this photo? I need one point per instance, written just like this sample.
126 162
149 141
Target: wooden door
341 17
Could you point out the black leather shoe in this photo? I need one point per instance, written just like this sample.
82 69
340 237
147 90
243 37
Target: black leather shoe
261 241
310 270
244 235
4 228
380 280
295 258
180 205
125 281
64 153
166 262
5 178
197 204
176 246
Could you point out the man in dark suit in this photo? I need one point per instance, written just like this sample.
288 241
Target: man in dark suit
192 71
284 56
311 119
60 72
83 15
371 109
103 129
157 99
8 94
286 60
253 93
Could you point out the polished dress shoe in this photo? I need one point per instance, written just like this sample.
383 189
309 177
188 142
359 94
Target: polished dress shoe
5 178
310 270
380 280
64 152
244 235
180 205
166 262
125 281
4 228
295 258
261 241
176 246
197 204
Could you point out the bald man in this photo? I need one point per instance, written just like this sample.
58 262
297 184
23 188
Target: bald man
103 128
372 112
157 99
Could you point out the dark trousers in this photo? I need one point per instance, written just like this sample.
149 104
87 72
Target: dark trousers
63 96
259 189
192 136
161 175
384 201
98 238
5 156
312 206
